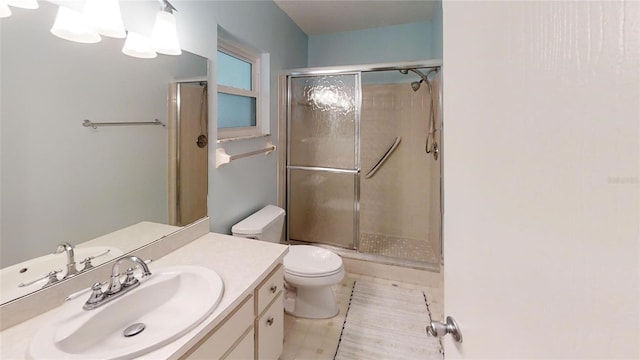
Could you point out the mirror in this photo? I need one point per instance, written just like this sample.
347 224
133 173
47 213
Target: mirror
99 189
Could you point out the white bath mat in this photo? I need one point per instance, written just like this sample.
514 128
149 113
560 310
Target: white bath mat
387 322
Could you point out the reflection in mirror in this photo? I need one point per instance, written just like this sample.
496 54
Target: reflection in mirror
98 189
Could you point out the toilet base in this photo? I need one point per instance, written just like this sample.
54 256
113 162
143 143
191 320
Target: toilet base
311 302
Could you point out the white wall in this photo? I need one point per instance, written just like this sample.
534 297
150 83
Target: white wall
62 181
541 178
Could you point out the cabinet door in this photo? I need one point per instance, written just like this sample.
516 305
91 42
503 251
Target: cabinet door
244 350
218 342
270 327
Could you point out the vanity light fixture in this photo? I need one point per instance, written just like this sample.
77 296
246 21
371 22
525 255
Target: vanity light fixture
4 9
71 25
139 46
105 16
165 36
25 4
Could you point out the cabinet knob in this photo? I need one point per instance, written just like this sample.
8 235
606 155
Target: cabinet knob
270 321
273 288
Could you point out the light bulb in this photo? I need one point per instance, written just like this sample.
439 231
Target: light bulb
165 36
105 17
71 25
25 4
138 46
4 9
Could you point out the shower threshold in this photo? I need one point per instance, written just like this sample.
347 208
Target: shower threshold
375 258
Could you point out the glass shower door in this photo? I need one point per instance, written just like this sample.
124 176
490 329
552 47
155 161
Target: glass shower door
322 160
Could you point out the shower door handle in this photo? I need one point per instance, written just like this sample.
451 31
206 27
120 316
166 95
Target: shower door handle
438 329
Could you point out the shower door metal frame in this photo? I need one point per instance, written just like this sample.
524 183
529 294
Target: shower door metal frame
283 186
175 205
355 171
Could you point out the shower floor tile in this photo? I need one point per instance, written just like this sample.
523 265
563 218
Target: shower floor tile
397 247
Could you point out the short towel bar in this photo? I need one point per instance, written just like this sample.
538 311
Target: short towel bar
223 158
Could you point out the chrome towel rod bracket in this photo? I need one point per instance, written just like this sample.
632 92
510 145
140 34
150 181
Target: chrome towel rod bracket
89 123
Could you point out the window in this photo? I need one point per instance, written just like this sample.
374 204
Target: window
239 103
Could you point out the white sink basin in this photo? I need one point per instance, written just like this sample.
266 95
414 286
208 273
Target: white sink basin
30 270
170 302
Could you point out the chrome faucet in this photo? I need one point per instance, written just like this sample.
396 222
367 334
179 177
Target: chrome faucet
71 261
116 288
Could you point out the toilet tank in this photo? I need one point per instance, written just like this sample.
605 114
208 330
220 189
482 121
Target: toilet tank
266 224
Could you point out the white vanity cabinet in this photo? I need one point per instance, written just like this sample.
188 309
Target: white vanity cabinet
253 330
269 324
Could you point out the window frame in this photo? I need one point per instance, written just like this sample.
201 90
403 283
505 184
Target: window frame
243 53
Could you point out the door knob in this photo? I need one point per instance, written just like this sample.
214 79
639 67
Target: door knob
438 329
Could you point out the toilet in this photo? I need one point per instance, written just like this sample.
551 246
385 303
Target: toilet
309 271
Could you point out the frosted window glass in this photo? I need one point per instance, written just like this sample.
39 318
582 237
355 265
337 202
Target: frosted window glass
234 72
236 111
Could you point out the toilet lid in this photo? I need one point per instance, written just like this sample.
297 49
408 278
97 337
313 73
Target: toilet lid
311 261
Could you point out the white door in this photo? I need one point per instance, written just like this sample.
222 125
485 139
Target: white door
541 213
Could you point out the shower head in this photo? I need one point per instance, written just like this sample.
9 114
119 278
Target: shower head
416 84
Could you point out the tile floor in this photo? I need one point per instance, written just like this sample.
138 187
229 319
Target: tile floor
306 339
397 247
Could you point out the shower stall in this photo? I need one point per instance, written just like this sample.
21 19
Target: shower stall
188 151
363 161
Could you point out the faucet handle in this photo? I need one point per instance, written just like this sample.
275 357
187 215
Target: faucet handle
87 263
50 277
97 294
130 279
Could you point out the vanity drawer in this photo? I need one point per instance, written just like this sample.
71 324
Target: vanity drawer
270 328
245 348
269 289
225 335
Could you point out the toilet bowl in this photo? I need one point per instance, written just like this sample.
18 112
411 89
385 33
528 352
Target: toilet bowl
312 271
309 271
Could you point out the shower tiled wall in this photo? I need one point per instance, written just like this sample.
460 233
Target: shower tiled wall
402 200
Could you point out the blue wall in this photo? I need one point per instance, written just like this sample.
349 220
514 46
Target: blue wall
406 42
245 185
436 33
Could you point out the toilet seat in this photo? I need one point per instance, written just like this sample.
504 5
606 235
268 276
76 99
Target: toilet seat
311 261
312 275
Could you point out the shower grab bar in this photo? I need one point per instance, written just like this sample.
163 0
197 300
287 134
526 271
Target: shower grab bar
383 159
223 158
89 123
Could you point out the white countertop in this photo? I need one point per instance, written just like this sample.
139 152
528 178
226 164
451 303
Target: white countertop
242 264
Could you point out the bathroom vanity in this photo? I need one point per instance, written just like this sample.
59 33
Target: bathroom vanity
246 324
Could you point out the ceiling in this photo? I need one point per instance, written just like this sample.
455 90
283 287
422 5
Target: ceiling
317 17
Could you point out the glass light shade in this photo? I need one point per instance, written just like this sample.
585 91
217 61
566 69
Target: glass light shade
71 25
25 4
138 46
105 16
4 9
165 36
